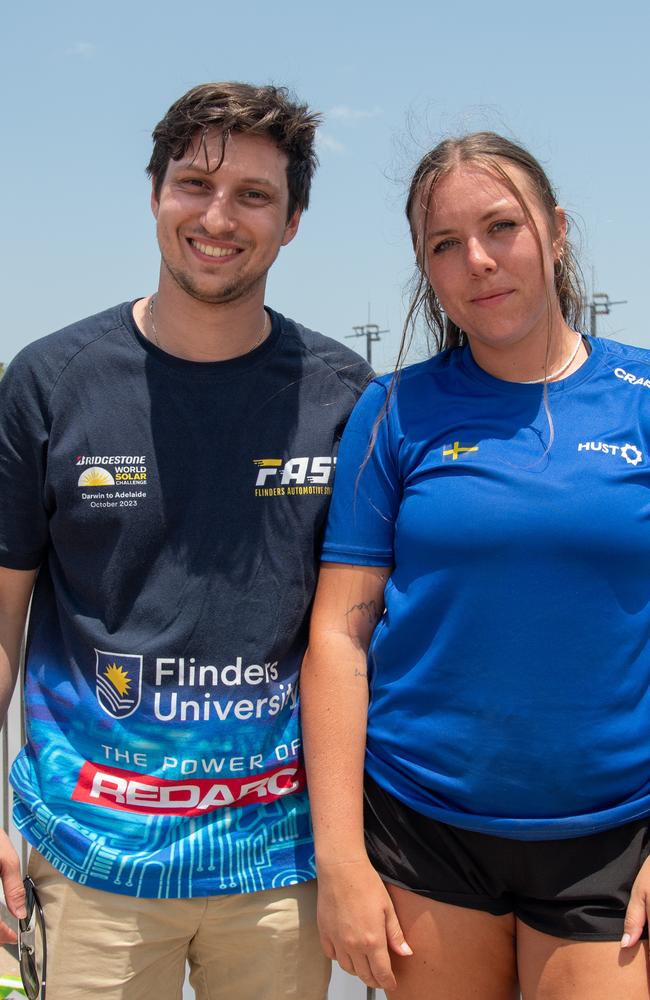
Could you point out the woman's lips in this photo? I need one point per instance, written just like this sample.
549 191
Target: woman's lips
492 298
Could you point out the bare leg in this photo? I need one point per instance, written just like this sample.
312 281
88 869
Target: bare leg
552 968
458 953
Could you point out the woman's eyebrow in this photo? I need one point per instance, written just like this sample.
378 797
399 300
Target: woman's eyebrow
495 210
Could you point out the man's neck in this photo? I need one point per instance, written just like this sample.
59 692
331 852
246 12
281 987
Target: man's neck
202 331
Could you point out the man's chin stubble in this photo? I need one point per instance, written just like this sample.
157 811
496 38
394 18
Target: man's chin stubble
228 293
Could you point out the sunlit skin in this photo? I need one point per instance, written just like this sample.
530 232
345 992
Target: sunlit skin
481 257
212 306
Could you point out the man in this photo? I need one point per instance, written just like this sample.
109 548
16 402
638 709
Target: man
165 468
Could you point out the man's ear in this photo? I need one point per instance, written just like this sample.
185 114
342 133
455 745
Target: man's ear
291 227
154 202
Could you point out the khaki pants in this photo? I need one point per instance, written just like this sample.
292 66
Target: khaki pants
255 946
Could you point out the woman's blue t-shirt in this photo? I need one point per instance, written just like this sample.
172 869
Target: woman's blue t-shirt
510 672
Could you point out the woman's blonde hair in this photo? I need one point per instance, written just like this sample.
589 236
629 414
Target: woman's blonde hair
493 153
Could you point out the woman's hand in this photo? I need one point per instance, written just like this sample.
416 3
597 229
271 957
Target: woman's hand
638 908
357 922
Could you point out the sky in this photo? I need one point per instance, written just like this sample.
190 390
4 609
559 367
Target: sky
85 83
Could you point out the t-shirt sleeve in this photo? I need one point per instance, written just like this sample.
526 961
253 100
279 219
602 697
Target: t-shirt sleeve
23 457
367 486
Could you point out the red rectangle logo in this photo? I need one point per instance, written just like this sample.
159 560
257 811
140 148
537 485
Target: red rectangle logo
144 793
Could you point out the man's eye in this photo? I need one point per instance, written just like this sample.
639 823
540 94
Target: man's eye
255 195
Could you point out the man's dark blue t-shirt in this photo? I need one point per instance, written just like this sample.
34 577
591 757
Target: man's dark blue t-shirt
176 510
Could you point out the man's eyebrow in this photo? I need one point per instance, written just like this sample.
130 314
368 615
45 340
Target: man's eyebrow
497 209
192 165
259 182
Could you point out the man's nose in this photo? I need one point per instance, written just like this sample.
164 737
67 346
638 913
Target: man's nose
218 216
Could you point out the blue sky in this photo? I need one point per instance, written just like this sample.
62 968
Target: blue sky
84 84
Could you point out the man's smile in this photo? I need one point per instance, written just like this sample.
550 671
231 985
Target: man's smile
213 251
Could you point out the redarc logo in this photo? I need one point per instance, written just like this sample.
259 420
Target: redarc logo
296 476
632 379
628 452
116 789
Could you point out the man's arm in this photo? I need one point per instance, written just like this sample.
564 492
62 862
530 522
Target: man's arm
16 587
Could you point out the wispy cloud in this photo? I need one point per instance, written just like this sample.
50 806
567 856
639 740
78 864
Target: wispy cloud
83 50
325 141
344 113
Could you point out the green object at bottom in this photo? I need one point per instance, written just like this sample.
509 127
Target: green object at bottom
11 988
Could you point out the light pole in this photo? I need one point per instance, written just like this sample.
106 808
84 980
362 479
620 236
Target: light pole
371 332
600 306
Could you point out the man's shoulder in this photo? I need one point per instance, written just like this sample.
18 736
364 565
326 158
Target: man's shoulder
77 335
330 354
50 355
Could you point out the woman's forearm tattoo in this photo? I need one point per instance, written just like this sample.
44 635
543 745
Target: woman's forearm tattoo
370 610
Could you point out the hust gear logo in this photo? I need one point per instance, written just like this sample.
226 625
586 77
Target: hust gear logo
630 454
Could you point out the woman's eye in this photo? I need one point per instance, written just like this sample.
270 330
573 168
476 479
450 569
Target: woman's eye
503 224
442 246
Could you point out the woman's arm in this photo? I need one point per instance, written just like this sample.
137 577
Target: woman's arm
356 916
638 909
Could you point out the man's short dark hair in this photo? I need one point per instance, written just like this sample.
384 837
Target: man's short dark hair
240 107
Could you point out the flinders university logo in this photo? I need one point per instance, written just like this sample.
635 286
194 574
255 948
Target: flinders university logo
118 682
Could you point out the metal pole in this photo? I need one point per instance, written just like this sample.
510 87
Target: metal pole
600 305
371 332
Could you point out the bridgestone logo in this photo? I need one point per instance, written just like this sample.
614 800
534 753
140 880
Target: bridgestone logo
109 460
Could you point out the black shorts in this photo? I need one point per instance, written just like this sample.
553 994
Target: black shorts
576 889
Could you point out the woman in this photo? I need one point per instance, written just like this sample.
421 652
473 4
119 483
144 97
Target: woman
485 577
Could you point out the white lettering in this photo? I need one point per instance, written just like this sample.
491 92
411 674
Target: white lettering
162 671
295 471
321 467
107 786
273 783
264 474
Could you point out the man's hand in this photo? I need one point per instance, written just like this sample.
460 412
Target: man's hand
12 884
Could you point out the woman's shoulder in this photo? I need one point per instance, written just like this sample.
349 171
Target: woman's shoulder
419 374
614 351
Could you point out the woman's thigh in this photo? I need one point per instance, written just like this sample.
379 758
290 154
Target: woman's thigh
552 968
458 953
